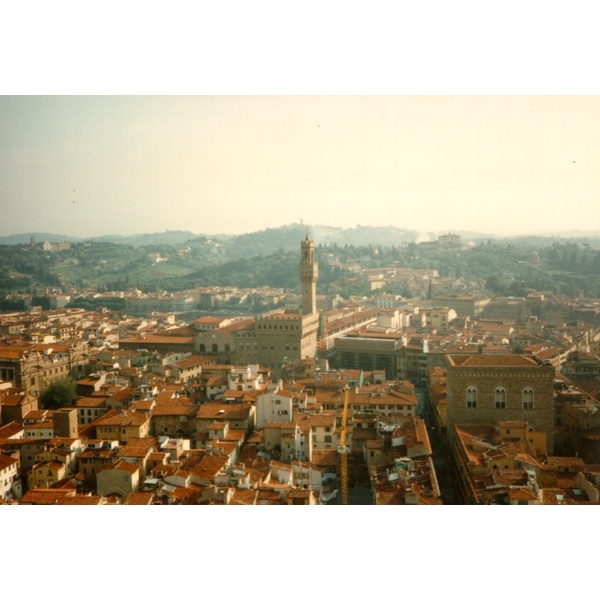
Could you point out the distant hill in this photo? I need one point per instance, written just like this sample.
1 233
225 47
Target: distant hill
25 238
177 260
287 237
171 238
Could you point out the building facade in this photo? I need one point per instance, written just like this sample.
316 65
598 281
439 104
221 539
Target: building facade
369 352
282 337
32 367
484 389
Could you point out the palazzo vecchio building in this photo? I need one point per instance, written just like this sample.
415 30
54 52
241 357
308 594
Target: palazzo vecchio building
287 336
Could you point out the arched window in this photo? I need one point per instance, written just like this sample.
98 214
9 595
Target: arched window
227 348
500 397
471 397
202 347
215 347
527 398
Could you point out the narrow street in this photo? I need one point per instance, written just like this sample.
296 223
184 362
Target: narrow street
441 461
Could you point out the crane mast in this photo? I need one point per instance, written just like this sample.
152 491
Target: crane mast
343 451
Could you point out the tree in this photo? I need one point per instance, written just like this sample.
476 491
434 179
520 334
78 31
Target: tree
495 284
59 393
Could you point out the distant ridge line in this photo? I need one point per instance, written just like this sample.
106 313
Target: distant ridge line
324 234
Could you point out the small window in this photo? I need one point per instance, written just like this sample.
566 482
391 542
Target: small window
500 397
471 397
527 398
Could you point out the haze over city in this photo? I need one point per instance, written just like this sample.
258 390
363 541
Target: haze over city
97 165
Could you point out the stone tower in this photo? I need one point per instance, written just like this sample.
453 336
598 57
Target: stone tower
65 423
309 273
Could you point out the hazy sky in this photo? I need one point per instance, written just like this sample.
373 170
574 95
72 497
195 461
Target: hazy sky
86 166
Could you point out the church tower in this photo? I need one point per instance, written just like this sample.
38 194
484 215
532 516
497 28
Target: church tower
309 273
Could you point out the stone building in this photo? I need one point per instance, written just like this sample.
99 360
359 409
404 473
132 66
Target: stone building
286 336
274 338
470 306
484 389
32 367
369 351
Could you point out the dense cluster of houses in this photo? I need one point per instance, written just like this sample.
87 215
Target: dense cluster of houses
244 409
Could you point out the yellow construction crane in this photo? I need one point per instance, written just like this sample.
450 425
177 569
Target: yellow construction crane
343 451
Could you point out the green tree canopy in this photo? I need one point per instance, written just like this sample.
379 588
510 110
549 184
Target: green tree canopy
60 393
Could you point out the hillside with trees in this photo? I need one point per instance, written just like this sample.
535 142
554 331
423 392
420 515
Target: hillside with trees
510 266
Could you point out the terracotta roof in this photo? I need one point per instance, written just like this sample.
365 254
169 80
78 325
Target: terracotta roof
15 399
158 339
565 462
78 500
319 420
7 461
192 361
11 429
267 496
325 458
493 360
223 411
241 496
209 465
299 493
45 495
91 402
122 419
121 465
172 411
143 405
238 326
208 319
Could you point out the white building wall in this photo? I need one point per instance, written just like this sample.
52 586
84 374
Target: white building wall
7 476
273 408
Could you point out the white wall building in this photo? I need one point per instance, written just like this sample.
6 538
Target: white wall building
274 407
